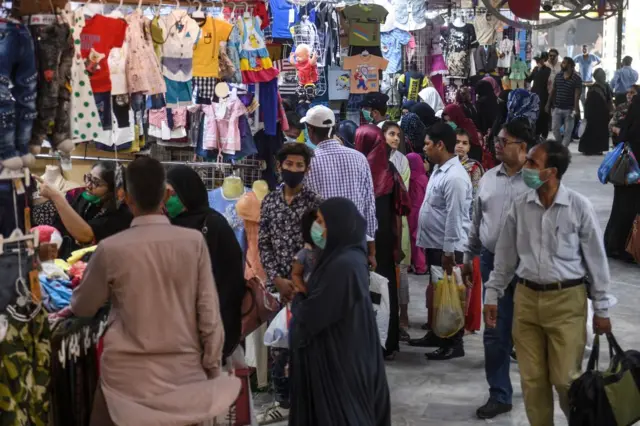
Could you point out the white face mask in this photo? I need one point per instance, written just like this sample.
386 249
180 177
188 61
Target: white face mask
290 139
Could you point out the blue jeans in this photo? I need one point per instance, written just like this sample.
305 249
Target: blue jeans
18 104
498 341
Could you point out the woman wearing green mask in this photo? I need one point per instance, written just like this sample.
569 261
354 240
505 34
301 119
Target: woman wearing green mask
93 215
187 205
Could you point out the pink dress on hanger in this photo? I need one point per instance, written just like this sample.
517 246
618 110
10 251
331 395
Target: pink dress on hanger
143 67
248 209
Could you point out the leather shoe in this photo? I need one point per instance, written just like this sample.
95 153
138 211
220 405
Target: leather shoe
443 354
492 409
430 340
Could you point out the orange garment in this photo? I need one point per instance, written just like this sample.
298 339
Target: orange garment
248 208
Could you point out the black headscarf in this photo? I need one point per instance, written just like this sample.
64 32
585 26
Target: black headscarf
426 113
347 132
227 259
501 118
486 105
631 129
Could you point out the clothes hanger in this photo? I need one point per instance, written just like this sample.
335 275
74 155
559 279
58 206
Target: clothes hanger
139 6
117 12
198 14
246 14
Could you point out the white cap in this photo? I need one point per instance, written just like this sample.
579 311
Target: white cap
319 116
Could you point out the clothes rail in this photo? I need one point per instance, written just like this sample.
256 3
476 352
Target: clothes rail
202 164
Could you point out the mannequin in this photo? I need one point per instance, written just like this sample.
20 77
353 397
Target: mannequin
261 189
232 187
54 177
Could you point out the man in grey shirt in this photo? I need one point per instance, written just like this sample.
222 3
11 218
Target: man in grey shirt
443 224
551 240
496 191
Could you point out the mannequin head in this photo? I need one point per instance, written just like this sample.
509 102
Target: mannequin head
260 188
303 51
232 187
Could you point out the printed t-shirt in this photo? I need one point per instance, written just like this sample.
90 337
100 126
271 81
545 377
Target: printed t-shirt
364 23
391 45
98 37
364 72
205 54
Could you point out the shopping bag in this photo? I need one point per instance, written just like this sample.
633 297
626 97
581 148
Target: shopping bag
449 315
379 292
582 127
610 397
625 170
608 162
258 306
277 335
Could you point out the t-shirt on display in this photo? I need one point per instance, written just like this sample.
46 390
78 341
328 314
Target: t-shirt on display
205 54
364 23
365 72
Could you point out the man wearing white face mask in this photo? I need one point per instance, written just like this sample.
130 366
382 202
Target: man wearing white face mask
551 241
297 131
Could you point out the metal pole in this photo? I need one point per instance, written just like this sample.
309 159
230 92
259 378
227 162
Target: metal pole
619 34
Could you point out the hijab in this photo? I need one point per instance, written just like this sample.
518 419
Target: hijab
347 132
494 84
426 114
370 141
414 131
487 106
456 114
419 180
600 78
523 104
431 96
346 229
189 188
408 105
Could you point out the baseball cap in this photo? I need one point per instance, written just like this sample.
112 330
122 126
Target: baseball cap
375 100
319 116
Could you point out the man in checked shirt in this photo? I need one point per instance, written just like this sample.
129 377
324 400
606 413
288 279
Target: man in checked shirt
338 171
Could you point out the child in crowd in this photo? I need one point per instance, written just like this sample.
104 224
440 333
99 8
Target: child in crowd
305 260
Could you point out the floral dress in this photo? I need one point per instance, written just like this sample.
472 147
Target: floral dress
86 123
143 66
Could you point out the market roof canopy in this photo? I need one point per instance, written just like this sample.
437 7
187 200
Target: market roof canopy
525 9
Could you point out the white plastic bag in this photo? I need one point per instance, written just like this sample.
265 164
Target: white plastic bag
277 335
582 127
589 344
379 290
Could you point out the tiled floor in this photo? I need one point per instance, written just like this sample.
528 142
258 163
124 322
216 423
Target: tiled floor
447 393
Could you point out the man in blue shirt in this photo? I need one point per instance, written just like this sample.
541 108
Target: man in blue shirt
623 80
586 61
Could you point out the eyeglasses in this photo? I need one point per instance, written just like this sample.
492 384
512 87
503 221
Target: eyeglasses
95 182
504 141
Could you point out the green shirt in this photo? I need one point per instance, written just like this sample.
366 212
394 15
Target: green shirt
364 23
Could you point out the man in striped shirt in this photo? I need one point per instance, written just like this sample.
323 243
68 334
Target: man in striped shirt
338 171
564 102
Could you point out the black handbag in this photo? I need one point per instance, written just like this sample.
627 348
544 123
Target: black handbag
621 168
611 397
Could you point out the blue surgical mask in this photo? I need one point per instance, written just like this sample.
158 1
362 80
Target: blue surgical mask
531 178
316 235
453 125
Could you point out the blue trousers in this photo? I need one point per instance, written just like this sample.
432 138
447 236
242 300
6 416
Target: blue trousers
498 341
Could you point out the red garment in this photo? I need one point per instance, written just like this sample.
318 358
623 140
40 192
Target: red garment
456 114
307 72
369 141
473 318
98 37
417 191
260 10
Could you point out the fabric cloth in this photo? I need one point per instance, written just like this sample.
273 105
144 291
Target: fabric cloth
280 235
364 23
523 104
544 361
414 132
206 50
540 81
586 66
333 319
370 142
519 70
221 129
181 33
498 341
143 69
224 250
227 208
431 96
364 72
391 44
486 105
623 79
486 28
495 194
99 35
458 41
563 249
417 191
255 64
354 182
444 216
133 353
426 114
475 170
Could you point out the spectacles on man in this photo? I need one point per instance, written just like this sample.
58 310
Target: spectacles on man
504 141
95 182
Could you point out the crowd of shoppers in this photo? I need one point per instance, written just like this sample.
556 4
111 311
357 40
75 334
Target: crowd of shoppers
418 196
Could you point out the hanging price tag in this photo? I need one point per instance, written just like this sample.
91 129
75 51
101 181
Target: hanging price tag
34 283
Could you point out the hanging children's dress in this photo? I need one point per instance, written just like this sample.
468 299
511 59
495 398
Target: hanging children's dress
255 63
143 66
86 121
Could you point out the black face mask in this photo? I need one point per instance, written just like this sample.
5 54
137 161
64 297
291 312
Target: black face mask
292 179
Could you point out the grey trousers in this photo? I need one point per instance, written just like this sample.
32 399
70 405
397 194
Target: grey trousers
559 118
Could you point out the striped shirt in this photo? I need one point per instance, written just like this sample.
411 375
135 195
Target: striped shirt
338 171
566 90
288 78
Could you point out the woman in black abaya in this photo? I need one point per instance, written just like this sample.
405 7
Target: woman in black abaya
597 111
188 207
626 198
337 372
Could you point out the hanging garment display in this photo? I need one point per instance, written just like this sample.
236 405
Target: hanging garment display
505 53
206 52
434 48
364 23
338 83
458 41
391 45
410 14
486 27
86 121
365 71
411 83
54 50
255 64
221 125
227 207
143 66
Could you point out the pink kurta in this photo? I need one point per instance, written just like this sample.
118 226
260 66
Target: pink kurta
248 208
163 344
